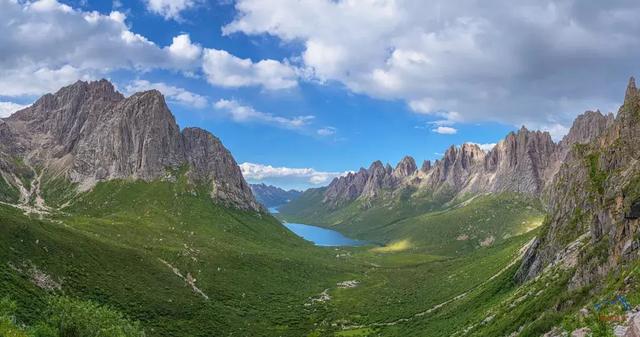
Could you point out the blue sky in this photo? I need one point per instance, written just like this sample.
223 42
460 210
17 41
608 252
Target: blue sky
301 91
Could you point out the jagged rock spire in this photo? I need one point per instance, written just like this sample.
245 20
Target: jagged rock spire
406 167
632 90
426 166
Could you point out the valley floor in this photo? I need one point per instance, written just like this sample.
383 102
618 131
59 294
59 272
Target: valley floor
169 258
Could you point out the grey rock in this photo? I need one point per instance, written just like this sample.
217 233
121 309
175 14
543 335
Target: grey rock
426 166
406 167
89 132
592 191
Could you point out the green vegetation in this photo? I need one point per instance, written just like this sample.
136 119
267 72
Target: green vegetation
66 317
57 191
596 175
8 193
360 217
118 245
449 230
162 254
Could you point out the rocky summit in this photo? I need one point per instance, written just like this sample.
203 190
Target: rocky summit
523 162
594 195
88 132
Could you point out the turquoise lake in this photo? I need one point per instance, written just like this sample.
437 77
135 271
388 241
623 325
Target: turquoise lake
322 236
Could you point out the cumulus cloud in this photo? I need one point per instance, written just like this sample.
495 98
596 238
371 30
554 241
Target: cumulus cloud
173 94
8 108
327 131
539 61
226 70
183 49
259 172
445 130
169 9
247 114
46 44
36 80
556 130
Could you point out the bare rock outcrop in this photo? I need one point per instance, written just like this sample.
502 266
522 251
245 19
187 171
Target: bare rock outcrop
406 167
89 132
594 192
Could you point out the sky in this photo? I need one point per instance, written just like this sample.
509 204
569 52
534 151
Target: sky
302 91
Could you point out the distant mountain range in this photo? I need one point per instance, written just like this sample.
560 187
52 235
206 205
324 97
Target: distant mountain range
523 162
273 196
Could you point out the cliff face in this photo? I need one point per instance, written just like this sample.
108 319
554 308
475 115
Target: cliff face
88 132
520 163
593 194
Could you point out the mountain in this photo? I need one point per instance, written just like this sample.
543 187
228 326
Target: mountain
88 132
272 196
585 254
524 162
108 208
593 199
109 211
106 201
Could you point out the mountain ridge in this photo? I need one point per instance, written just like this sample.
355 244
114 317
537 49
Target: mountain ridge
523 162
273 196
88 132
605 173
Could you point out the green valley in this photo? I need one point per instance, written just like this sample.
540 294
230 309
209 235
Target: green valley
164 255
116 222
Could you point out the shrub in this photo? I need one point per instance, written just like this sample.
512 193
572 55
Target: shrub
66 317
74 318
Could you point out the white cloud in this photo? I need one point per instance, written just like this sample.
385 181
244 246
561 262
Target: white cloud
226 70
327 131
183 49
493 60
445 130
8 108
33 80
556 130
174 94
247 114
259 172
170 9
46 44
484 147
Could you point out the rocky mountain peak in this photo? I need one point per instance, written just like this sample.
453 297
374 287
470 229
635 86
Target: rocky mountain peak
376 166
346 188
587 127
426 166
525 161
632 90
591 195
89 132
406 167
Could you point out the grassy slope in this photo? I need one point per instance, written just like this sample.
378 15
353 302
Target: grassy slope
484 220
359 217
108 248
438 230
259 277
